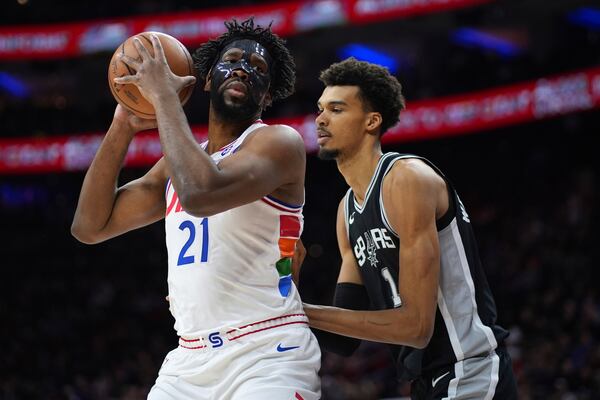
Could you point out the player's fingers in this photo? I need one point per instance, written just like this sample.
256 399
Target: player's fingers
123 80
131 62
158 49
141 49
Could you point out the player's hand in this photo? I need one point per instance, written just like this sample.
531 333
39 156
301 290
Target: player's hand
299 254
153 76
132 122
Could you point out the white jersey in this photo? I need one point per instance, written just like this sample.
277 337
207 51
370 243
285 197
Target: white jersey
232 268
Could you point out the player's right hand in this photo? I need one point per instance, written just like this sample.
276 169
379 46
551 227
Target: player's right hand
134 123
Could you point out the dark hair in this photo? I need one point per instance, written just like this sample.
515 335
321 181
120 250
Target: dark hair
283 70
379 91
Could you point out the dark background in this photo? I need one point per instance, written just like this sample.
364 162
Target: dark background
91 322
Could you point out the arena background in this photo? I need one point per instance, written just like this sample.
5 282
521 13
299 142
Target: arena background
502 96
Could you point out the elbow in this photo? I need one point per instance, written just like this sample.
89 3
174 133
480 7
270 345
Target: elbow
197 204
422 335
420 342
418 334
83 235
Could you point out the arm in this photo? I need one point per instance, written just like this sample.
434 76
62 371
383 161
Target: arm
105 211
269 159
350 293
411 195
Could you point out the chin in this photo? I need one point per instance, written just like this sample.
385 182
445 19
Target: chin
235 111
328 154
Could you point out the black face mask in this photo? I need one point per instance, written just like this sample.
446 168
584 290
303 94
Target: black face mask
256 82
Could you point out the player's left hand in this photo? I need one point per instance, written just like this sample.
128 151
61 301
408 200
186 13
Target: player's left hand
153 76
299 254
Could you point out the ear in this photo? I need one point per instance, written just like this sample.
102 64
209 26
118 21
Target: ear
207 82
374 121
268 101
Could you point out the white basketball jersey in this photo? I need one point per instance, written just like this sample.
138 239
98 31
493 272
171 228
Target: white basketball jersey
234 267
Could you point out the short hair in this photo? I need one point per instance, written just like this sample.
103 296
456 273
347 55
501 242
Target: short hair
378 89
283 70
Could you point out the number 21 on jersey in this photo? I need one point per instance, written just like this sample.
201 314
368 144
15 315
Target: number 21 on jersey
195 241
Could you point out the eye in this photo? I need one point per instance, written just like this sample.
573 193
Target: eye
319 111
336 110
260 68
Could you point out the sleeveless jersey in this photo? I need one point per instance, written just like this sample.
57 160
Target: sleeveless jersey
232 268
466 312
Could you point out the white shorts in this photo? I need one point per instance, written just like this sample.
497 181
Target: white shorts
278 362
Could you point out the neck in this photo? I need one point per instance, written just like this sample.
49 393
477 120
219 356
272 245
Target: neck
358 168
221 132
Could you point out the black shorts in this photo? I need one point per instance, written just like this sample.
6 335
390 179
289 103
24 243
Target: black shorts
487 377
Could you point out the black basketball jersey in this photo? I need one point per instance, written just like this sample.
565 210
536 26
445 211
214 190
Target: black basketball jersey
466 312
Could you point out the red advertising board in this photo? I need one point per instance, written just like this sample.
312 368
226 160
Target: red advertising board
195 27
467 113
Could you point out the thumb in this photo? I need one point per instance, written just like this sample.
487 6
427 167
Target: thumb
189 81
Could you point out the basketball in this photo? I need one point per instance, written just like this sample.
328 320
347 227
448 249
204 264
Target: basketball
128 95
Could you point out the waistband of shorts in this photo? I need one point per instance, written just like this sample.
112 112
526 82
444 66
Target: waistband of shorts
434 372
218 338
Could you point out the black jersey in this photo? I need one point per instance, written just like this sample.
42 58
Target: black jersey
466 314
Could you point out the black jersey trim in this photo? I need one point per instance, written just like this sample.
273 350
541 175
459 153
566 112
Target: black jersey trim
346 216
440 223
384 216
359 208
445 220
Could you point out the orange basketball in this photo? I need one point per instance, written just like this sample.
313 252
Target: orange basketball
178 57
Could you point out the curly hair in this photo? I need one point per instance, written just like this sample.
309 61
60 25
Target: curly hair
378 90
283 70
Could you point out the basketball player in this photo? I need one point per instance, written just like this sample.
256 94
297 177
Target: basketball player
410 275
233 213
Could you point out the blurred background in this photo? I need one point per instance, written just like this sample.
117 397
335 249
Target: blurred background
502 95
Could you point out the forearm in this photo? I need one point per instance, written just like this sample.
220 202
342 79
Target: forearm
99 188
393 326
351 296
190 166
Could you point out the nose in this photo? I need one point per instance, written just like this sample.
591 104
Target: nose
240 73
321 120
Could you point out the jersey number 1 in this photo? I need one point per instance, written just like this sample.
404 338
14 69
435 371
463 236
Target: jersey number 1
189 225
387 276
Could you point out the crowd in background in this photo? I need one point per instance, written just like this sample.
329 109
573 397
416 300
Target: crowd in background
85 322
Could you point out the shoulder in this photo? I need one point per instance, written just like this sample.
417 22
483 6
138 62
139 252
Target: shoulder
279 141
277 134
413 171
412 181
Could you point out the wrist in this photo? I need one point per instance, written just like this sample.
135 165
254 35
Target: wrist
123 129
164 97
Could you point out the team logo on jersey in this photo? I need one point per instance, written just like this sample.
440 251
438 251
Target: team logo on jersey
372 254
227 148
351 219
367 244
173 201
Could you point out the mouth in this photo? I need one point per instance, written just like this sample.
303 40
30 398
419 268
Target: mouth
322 136
236 89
